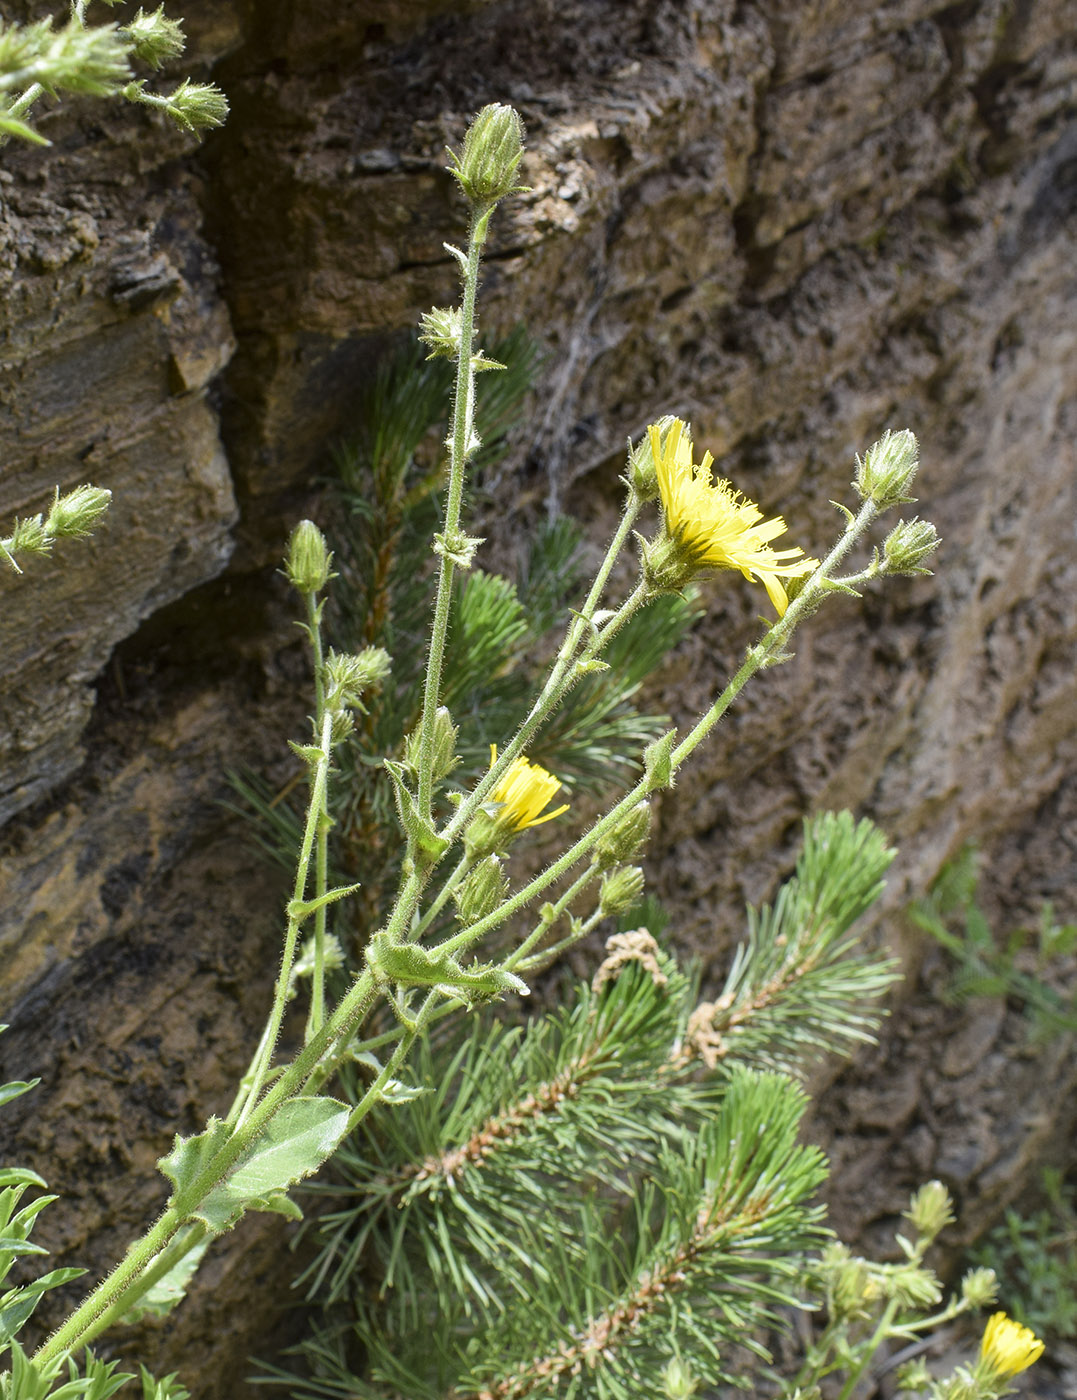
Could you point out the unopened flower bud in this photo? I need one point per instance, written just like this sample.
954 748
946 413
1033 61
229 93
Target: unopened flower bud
75 514
626 839
930 1210
347 675
341 725
620 890
913 1376
445 757
887 469
197 106
481 892
906 545
308 560
852 1289
979 1288
493 146
441 331
154 38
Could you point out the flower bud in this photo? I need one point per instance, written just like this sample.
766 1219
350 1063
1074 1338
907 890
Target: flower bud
930 1210
154 38
348 675
441 331
493 146
626 839
888 468
979 1288
620 890
913 1376
75 514
481 892
445 757
341 725
308 561
197 106
850 1288
906 544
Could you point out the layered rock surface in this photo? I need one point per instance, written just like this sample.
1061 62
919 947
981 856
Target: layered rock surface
795 226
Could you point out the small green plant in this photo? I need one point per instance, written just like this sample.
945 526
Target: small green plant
71 516
1035 1256
1014 968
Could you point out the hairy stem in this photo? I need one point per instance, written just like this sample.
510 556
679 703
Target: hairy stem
460 449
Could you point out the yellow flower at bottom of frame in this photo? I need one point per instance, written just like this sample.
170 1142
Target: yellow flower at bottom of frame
716 526
523 792
1008 1347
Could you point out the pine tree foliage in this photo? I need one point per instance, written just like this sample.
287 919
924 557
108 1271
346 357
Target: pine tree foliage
580 1095
569 1202
797 985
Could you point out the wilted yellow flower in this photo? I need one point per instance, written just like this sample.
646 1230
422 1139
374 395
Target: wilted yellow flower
523 792
1007 1347
715 525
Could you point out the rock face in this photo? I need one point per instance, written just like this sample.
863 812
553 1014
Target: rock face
794 225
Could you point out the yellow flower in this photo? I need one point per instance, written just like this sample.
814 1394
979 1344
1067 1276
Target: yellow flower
716 525
1007 1347
523 792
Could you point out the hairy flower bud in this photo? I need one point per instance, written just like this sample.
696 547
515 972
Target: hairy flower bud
441 331
445 756
75 514
906 545
626 839
493 147
154 38
930 1210
197 106
979 1288
620 890
481 892
347 675
887 469
308 560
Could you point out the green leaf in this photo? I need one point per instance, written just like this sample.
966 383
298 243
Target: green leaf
12 126
189 1157
302 1135
18 1305
170 1289
408 965
19 1176
15 1088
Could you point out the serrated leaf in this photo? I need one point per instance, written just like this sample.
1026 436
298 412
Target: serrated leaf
302 1135
408 965
190 1155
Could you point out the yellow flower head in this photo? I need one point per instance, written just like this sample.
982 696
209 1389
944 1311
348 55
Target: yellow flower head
1007 1347
523 792
716 525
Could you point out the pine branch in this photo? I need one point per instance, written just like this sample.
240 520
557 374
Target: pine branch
797 989
581 1095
